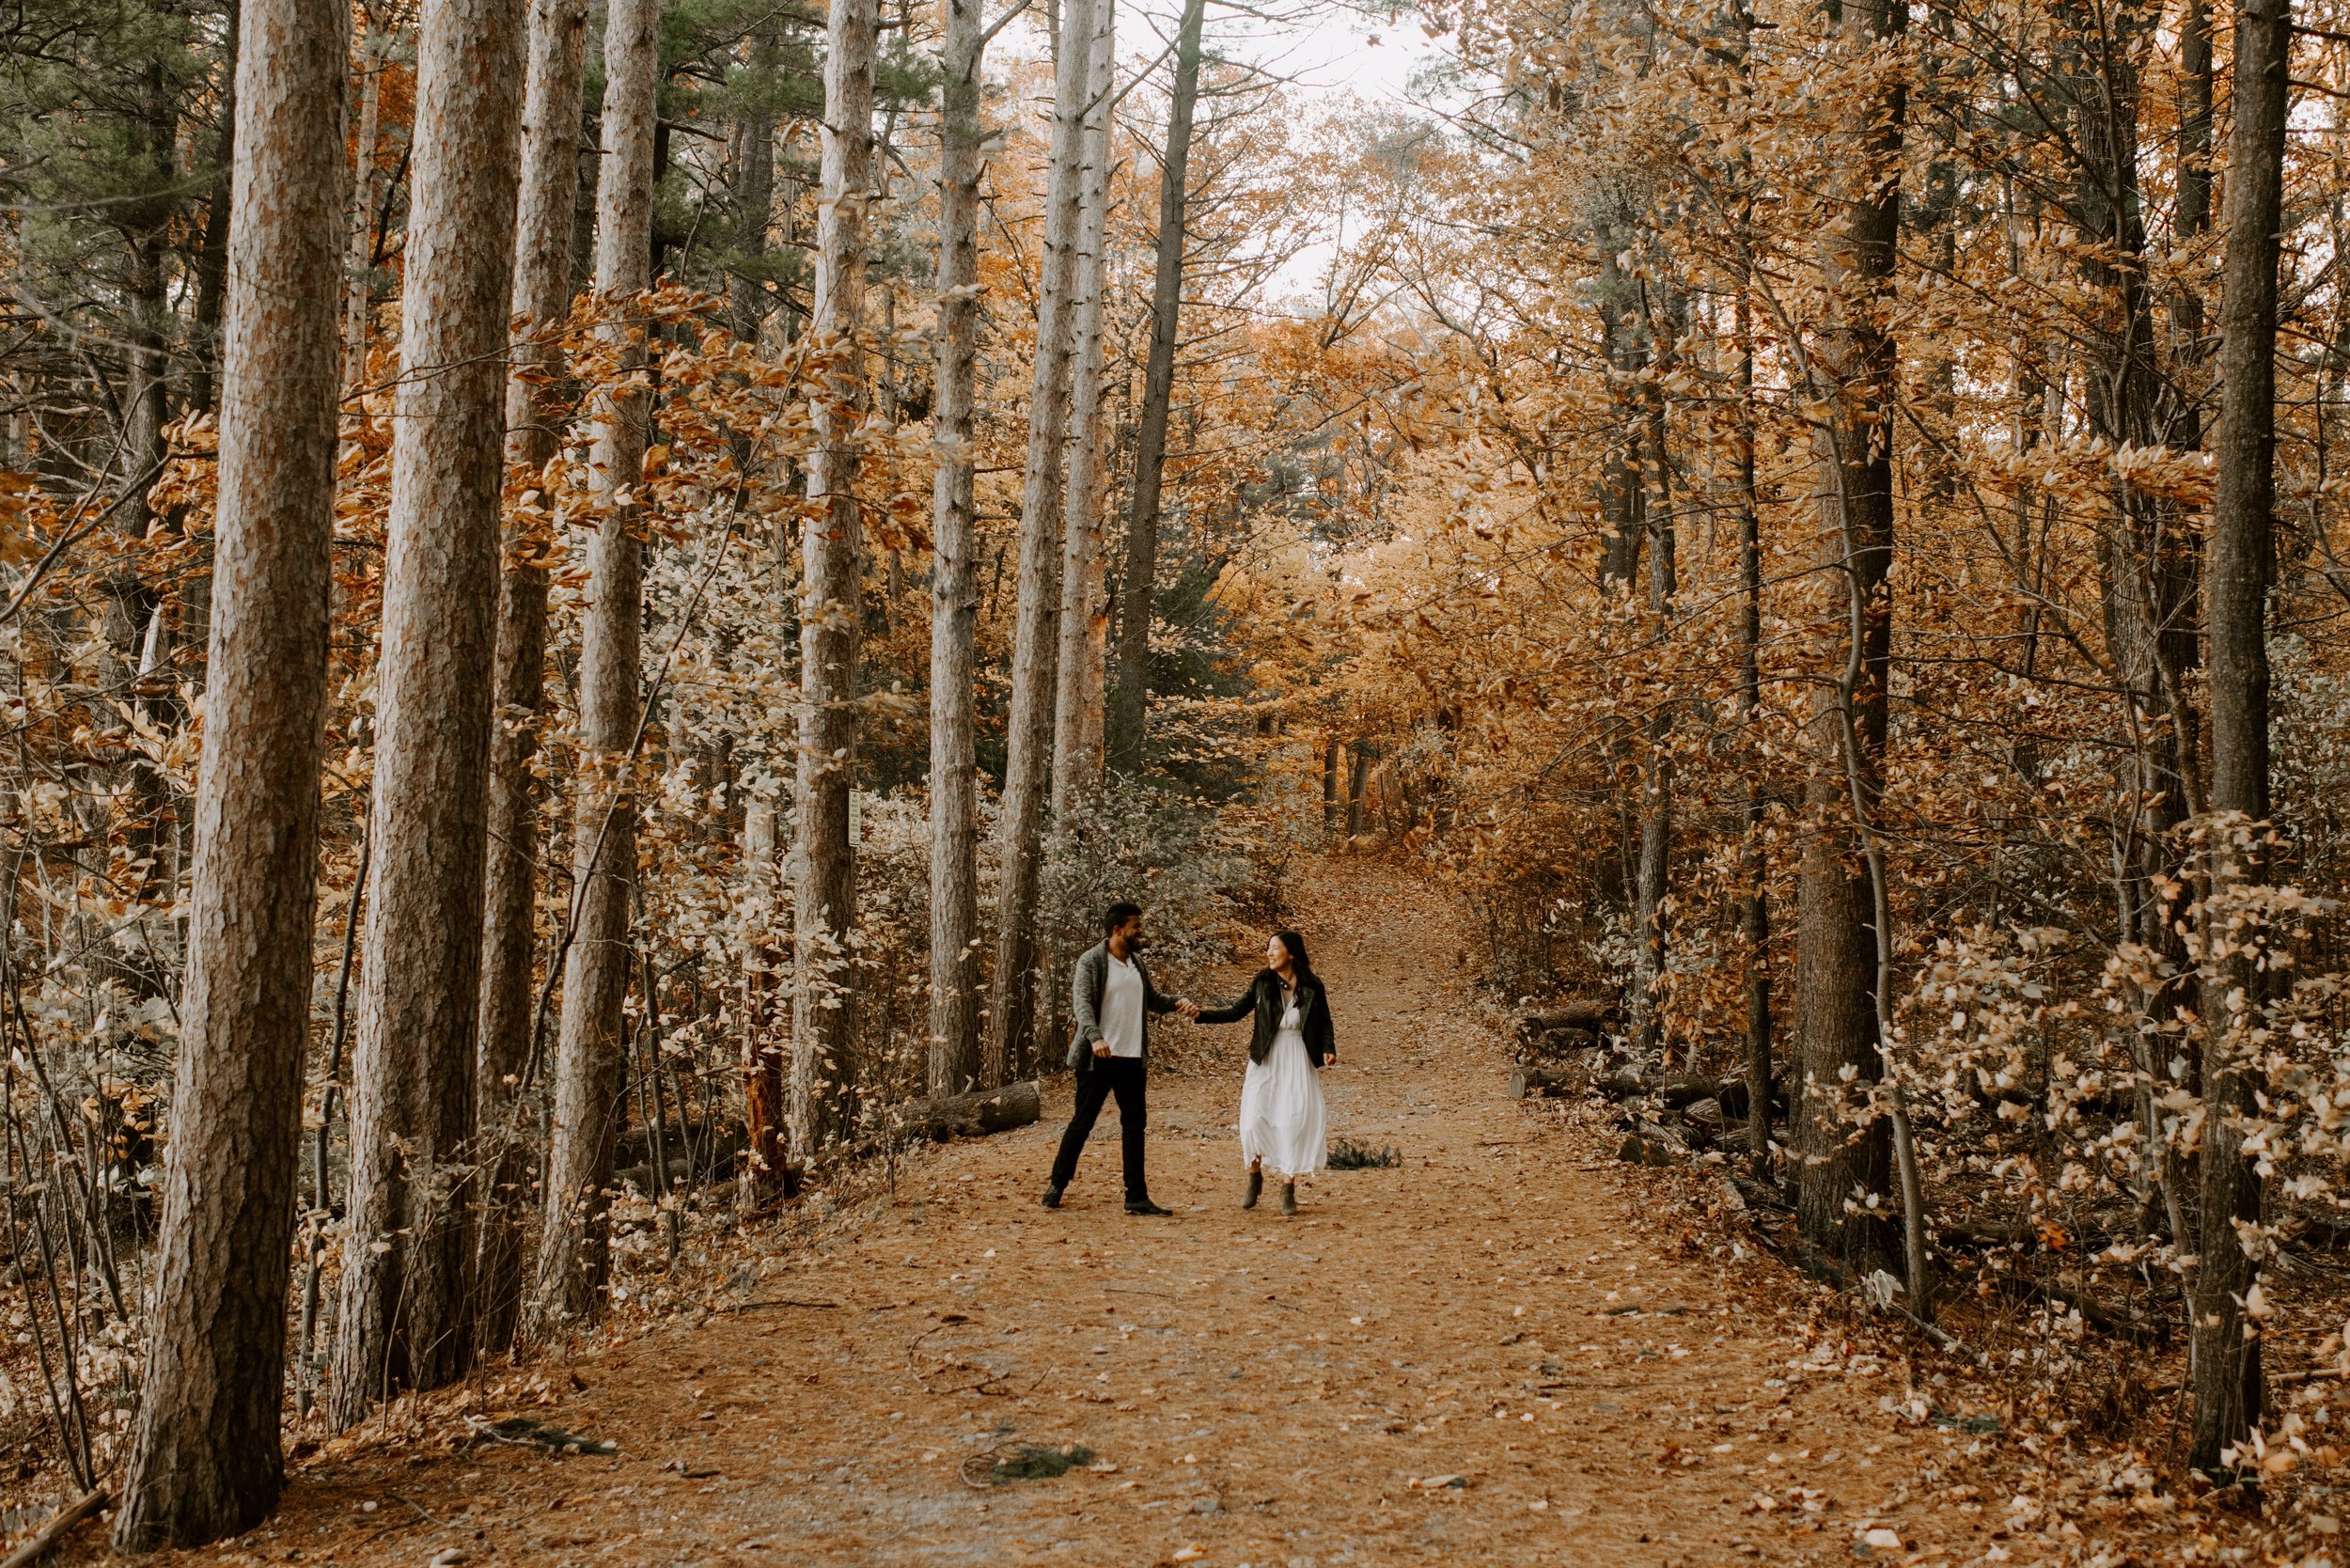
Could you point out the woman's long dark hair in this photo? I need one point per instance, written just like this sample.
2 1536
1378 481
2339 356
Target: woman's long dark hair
1299 962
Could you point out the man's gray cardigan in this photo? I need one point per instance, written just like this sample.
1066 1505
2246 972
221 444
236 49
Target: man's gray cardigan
1086 985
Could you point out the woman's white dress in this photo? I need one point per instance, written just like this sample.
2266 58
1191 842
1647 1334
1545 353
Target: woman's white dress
1283 1118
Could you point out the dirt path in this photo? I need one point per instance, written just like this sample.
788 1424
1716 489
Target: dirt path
1506 1351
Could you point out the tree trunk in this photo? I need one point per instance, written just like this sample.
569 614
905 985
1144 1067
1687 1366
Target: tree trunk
1357 777
1753 869
1656 772
823 1011
591 1064
408 1247
373 44
954 1061
1077 724
534 408
1836 983
211 286
204 1461
2227 1345
765 1084
1028 738
1329 783
754 196
1129 703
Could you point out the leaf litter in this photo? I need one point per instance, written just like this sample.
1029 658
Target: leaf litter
1345 1367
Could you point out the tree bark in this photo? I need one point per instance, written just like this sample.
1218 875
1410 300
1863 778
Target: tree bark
374 43
1836 983
1129 703
823 1011
574 1237
2226 1342
408 1247
1357 779
754 196
765 1084
972 1115
211 286
534 408
1077 723
1753 869
204 1461
1656 772
954 1060
1029 739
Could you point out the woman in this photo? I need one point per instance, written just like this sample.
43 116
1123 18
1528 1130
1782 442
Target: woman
1283 1119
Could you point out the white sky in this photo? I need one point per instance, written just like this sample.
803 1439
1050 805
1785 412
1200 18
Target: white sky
1329 53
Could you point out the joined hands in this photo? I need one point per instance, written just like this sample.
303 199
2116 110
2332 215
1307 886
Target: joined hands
1187 1009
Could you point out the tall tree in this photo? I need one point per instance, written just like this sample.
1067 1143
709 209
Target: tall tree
1077 722
1028 738
1837 936
408 1249
954 1061
2227 1342
574 1236
831 598
534 401
1129 701
1656 850
754 190
375 42
204 1461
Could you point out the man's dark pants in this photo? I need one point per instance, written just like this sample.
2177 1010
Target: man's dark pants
1097 1080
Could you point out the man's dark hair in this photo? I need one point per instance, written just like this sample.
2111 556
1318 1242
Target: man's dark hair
1117 915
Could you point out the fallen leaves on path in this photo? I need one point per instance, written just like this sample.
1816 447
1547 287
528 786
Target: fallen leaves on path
1501 1349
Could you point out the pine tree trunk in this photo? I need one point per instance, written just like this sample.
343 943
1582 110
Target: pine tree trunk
754 199
1028 740
1129 701
534 406
373 45
2227 1344
204 1461
212 270
1077 721
954 1061
574 1236
823 1011
1836 1003
408 1249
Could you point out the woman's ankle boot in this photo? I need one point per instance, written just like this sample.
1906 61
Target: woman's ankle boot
1289 1197
1255 1189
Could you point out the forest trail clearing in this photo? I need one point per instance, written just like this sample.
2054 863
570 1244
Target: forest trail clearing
1509 1308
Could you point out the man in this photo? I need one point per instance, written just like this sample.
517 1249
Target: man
1112 997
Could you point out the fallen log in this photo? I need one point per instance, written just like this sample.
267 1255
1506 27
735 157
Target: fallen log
47 1537
1588 1014
1671 1093
976 1115
1651 1144
1548 1083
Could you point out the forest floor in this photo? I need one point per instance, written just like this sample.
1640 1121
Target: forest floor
1511 1348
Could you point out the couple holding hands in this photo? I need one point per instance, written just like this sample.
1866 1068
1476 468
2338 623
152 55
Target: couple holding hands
1283 1118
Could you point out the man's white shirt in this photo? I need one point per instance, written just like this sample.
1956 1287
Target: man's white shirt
1121 1007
